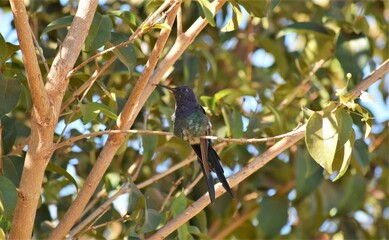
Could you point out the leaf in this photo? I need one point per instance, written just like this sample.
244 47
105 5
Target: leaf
206 7
10 89
368 127
99 33
8 134
13 168
309 175
152 220
90 111
273 215
307 27
3 50
163 26
352 51
112 181
127 17
149 143
345 127
8 197
61 171
125 54
235 20
258 8
353 196
343 156
58 23
11 49
321 138
360 157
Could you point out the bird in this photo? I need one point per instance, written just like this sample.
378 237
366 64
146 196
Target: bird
190 122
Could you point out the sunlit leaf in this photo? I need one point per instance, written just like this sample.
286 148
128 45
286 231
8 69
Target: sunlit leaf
321 138
235 20
206 7
343 156
163 26
258 8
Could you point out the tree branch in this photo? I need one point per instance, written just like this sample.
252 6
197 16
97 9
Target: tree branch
34 75
114 141
44 120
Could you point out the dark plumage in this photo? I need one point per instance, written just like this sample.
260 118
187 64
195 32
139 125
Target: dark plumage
190 122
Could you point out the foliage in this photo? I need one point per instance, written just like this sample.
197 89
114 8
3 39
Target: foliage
254 68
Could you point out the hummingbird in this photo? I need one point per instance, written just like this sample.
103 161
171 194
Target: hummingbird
190 123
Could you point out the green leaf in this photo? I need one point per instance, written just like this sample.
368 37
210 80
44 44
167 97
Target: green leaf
368 126
321 138
11 49
61 171
111 180
309 175
3 50
258 8
164 26
273 215
179 204
90 111
125 54
152 220
99 33
13 168
149 143
8 134
354 195
353 51
58 23
360 157
206 7
8 197
235 20
127 17
343 156
305 28
345 127
10 89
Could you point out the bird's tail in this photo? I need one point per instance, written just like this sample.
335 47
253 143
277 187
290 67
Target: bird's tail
207 176
214 161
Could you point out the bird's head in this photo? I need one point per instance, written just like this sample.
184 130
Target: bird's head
182 94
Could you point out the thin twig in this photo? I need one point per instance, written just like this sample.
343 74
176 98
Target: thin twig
235 223
98 212
89 82
141 30
190 187
171 191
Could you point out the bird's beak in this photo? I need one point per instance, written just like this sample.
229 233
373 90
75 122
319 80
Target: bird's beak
160 85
